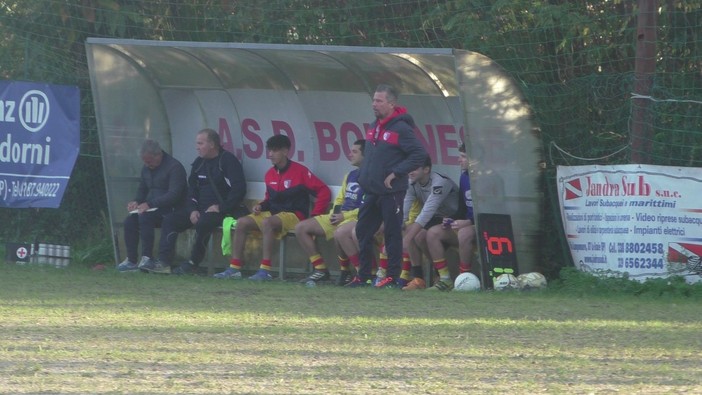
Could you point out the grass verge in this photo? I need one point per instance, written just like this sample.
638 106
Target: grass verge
81 331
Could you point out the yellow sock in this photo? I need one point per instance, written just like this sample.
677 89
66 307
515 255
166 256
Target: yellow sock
318 262
405 274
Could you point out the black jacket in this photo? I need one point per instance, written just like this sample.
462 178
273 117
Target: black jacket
227 175
391 147
163 187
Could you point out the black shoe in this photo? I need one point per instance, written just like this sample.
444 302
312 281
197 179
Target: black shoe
158 267
344 278
357 282
185 268
316 276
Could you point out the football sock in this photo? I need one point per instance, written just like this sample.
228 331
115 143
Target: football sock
406 267
383 260
344 264
355 261
266 264
318 262
442 268
464 267
235 263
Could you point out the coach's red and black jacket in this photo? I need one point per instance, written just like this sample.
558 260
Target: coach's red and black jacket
391 147
289 189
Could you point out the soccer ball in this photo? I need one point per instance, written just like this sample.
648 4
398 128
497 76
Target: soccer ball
505 281
466 282
531 280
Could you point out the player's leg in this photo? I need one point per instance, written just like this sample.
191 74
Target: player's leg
244 225
347 250
207 223
131 241
466 241
415 256
391 211
438 239
369 219
307 232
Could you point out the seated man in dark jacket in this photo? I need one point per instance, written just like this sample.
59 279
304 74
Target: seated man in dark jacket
160 195
216 189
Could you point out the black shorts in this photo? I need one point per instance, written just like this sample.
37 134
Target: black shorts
434 221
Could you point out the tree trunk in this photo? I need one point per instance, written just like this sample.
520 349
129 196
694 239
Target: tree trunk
644 70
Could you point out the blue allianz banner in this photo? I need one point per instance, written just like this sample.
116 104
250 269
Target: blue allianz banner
39 142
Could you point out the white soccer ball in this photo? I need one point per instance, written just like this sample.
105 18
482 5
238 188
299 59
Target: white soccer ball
466 282
533 280
505 281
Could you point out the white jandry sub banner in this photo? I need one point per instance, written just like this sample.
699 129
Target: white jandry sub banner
640 219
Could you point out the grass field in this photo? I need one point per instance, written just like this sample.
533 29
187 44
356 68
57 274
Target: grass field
100 332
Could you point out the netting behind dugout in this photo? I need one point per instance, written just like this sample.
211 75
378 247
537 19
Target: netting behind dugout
574 61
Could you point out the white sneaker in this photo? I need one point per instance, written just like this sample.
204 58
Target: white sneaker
127 266
144 261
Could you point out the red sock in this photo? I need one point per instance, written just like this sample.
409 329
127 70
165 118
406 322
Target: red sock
235 263
355 261
464 267
266 264
344 264
383 260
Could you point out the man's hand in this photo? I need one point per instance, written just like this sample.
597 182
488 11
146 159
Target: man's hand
194 217
461 223
213 209
336 219
131 206
388 180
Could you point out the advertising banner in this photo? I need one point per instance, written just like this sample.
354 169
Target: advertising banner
637 219
39 142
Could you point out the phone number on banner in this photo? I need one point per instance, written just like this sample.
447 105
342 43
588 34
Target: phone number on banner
648 248
21 189
640 263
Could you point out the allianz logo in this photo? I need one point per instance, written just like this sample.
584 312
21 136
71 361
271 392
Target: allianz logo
33 110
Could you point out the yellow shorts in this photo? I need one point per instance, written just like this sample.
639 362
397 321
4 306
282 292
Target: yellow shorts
289 220
324 221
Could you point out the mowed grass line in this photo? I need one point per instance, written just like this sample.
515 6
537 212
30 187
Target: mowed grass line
80 331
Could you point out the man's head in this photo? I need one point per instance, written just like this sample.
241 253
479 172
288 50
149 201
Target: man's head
151 154
278 147
356 154
384 101
462 157
422 173
207 143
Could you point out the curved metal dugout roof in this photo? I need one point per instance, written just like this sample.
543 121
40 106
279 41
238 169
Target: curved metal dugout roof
321 95
297 67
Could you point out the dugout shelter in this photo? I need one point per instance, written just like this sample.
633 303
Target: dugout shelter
320 96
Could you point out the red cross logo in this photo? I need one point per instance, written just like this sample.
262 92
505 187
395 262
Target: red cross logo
21 252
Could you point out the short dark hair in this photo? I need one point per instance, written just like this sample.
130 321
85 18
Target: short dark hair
390 91
212 136
277 142
151 148
427 161
462 148
361 143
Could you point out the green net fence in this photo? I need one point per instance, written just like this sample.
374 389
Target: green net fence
574 60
